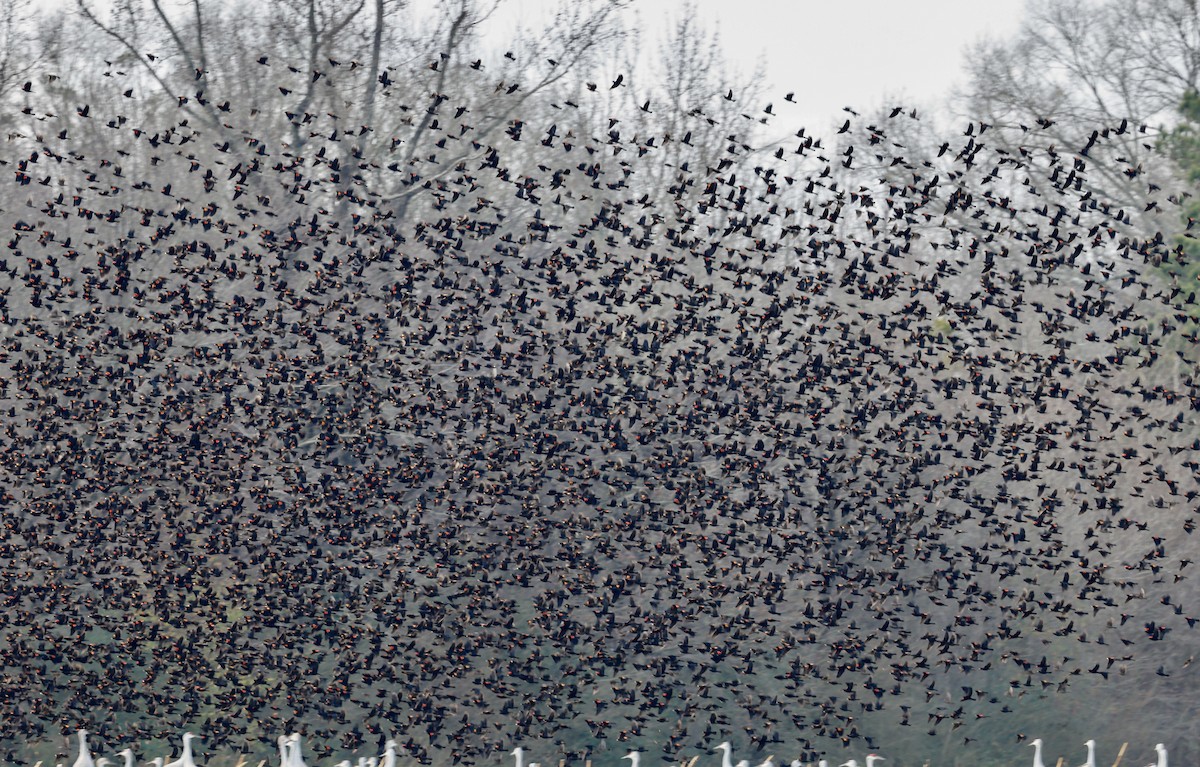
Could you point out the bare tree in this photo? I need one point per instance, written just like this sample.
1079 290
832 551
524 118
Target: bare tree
18 57
1085 75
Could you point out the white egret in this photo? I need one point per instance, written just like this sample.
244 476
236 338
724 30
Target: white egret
295 758
85 757
634 758
283 750
1091 759
1037 752
185 759
727 759
389 754
872 758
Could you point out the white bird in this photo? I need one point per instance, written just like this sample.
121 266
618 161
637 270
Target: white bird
1162 756
157 761
389 754
727 759
851 763
634 757
872 758
283 750
128 754
85 757
1091 760
1037 752
519 754
822 763
185 759
295 757
768 762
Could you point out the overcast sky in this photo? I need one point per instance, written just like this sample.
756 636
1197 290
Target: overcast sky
836 53
831 53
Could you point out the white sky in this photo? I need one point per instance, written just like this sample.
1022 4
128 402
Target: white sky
836 53
832 53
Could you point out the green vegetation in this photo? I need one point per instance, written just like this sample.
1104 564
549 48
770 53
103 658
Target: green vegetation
1182 269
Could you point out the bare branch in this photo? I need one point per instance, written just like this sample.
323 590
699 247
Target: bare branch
200 35
137 55
183 49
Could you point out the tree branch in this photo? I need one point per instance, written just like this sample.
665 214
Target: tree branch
162 84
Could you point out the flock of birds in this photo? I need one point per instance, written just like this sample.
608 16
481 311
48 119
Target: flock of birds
1159 749
556 459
